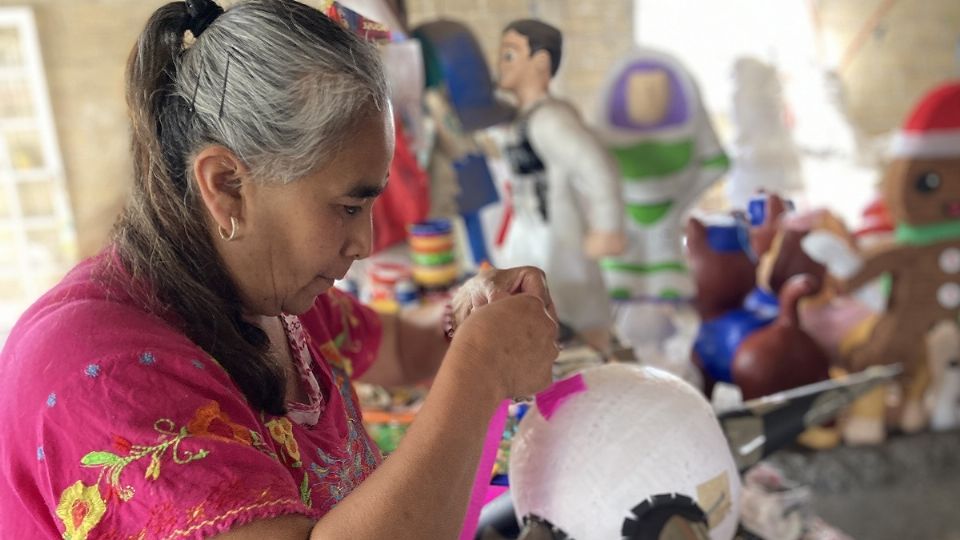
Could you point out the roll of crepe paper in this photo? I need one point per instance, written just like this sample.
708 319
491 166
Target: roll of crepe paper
431 245
433 259
436 276
432 227
384 277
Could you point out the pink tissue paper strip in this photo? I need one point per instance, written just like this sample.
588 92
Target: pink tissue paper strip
493 492
552 398
481 482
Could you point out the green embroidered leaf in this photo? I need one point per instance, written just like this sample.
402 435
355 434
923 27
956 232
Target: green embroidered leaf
94 459
153 471
305 495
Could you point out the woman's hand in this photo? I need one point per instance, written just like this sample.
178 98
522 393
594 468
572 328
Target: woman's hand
493 284
509 344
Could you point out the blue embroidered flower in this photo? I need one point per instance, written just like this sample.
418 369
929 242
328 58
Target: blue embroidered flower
92 371
52 399
147 359
40 454
198 364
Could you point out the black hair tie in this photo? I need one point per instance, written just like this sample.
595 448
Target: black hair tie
202 13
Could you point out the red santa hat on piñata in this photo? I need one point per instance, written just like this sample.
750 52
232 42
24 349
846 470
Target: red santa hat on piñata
876 219
933 128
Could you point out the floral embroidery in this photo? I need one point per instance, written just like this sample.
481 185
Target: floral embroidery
342 474
121 443
306 495
332 467
162 526
171 519
337 473
282 431
210 421
348 321
81 508
112 465
331 353
147 468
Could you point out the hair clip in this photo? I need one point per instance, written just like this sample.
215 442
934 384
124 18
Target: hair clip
202 13
196 87
223 91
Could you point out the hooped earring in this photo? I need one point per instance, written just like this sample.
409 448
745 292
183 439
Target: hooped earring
233 230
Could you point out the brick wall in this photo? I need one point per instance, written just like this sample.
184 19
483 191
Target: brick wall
912 47
84 46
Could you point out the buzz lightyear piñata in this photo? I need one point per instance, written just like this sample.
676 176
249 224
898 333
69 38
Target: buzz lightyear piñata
652 120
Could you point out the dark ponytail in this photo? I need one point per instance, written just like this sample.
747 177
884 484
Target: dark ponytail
162 237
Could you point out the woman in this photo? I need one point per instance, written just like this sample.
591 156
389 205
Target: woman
193 380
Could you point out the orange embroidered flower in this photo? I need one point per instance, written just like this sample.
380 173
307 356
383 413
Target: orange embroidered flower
282 431
332 355
210 421
81 508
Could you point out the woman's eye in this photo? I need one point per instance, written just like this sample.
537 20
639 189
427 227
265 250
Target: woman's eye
352 210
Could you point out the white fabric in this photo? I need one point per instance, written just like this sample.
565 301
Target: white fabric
403 64
764 154
583 195
635 433
831 251
925 144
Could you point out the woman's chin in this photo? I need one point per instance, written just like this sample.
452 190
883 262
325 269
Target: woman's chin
308 296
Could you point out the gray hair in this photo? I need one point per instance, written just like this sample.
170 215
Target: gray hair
269 80
281 86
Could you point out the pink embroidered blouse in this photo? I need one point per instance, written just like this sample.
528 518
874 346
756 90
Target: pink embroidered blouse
118 426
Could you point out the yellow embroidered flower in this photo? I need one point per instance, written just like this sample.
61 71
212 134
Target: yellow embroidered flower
81 508
282 431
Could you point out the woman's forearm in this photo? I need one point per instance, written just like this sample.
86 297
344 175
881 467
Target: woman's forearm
421 344
422 489
412 349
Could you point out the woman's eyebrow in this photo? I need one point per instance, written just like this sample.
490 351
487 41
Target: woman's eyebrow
367 191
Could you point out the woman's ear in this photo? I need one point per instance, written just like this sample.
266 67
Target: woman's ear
218 173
